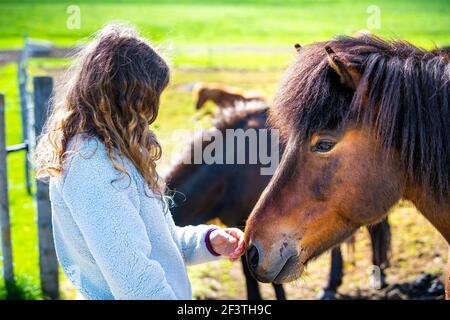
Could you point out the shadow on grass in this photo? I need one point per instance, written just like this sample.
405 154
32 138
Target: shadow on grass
24 288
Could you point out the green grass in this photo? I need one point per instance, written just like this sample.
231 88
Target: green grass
24 230
269 23
242 43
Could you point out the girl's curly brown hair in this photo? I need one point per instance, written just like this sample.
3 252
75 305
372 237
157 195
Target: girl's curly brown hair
111 92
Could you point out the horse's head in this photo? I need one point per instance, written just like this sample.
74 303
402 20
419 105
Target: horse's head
349 151
324 189
200 95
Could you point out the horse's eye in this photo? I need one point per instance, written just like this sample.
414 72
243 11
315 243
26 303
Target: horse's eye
323 146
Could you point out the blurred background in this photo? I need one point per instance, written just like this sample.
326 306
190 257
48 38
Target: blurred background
245 44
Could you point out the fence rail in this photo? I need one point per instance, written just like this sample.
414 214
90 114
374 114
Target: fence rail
17 147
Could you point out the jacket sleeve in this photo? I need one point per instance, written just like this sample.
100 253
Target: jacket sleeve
107 214
193 245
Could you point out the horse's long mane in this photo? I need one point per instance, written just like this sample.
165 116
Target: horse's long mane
233 118
403 97
444 51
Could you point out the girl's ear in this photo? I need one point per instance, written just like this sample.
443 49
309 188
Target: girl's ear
348 75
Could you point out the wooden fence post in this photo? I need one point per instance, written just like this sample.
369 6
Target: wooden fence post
48 263
24 105
8 272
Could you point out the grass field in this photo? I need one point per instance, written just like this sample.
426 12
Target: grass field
219 22
243 43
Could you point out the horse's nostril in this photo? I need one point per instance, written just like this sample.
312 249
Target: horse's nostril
253 257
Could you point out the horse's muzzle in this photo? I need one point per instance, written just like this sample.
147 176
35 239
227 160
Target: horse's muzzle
276 266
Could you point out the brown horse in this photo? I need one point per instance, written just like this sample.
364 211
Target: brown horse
366 122
229 192
223 96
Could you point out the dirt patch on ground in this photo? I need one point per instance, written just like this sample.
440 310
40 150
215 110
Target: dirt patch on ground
426 287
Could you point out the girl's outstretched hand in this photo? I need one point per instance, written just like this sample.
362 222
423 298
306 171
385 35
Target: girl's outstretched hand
228 242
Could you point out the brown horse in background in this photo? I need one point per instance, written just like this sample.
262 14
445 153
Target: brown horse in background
229 192
223 96
366 122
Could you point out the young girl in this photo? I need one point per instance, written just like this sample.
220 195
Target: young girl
114 235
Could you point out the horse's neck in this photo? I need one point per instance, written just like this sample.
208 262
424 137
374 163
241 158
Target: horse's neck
438 213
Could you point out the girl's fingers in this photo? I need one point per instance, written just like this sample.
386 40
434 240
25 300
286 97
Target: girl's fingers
225 237
239 250
235 255
241 245
236 233
229 238
232 242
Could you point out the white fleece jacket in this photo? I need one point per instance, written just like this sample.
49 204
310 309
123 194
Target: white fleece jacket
113 239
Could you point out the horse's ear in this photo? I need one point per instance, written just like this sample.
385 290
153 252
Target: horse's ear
348 75
297 47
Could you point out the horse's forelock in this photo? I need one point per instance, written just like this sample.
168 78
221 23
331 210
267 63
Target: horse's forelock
402 97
